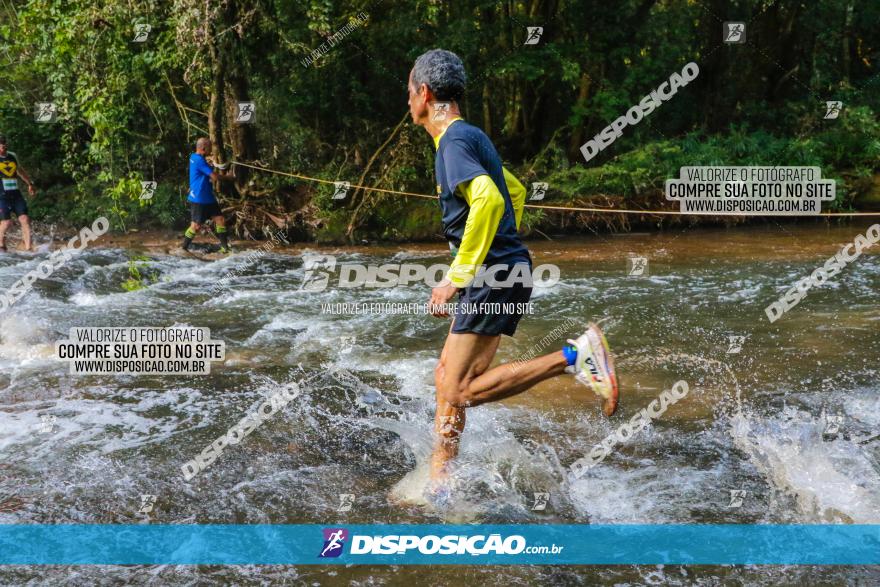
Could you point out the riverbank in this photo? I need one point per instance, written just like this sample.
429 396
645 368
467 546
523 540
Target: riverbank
793 240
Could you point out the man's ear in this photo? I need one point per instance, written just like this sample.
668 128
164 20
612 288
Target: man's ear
425 92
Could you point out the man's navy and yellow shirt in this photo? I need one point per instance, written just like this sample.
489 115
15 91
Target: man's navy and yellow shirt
480 218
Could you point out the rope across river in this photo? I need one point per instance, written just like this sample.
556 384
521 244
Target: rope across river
535 206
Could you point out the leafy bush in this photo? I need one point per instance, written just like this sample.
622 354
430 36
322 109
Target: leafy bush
139 275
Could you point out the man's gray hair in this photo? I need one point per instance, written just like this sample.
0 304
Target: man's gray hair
202 142
443 72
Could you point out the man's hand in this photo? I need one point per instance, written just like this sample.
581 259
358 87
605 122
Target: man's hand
222 176
440 296
31 191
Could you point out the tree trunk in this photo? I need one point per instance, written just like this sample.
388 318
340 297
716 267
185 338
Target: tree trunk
713 67
487 112
578 132
847 33
243 137
218 95
229 86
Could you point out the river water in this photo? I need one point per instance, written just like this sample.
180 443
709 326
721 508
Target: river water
759 421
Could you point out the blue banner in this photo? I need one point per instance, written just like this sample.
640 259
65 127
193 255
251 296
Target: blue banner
402 544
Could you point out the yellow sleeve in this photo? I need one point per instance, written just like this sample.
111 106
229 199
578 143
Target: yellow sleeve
517 194
486 209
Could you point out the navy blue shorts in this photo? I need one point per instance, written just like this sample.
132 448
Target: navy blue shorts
12 202
482 309
201 213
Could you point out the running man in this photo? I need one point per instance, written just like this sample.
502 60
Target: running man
482 205
203 205
11 199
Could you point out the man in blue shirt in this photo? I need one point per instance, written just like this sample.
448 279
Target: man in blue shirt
203 205
482 203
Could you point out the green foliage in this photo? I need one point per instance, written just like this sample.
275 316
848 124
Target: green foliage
129 112
848 147
139 274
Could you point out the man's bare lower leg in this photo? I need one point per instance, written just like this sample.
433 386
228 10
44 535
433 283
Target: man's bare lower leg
463 379
448 426
25 233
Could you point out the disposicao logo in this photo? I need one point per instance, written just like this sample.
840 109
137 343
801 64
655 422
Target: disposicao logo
431 545
334 541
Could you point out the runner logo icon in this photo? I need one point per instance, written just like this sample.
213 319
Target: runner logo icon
334 541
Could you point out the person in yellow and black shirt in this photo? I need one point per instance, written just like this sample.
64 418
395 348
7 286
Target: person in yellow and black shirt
11 200
482 205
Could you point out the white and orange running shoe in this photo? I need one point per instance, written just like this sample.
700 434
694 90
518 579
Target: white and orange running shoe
594 367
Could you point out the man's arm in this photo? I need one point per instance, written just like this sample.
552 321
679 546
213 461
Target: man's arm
517 194
221 173
24 176
222 176
486 209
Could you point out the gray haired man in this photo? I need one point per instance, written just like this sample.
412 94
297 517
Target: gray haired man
482 205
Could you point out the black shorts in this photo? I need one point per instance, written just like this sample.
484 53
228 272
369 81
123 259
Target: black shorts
201 213
12 202
484 310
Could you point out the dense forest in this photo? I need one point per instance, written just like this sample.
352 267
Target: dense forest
131 85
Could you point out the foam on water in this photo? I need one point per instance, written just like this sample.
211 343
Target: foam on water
495 477
831 480
364 423
90 299
24 339
645 490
